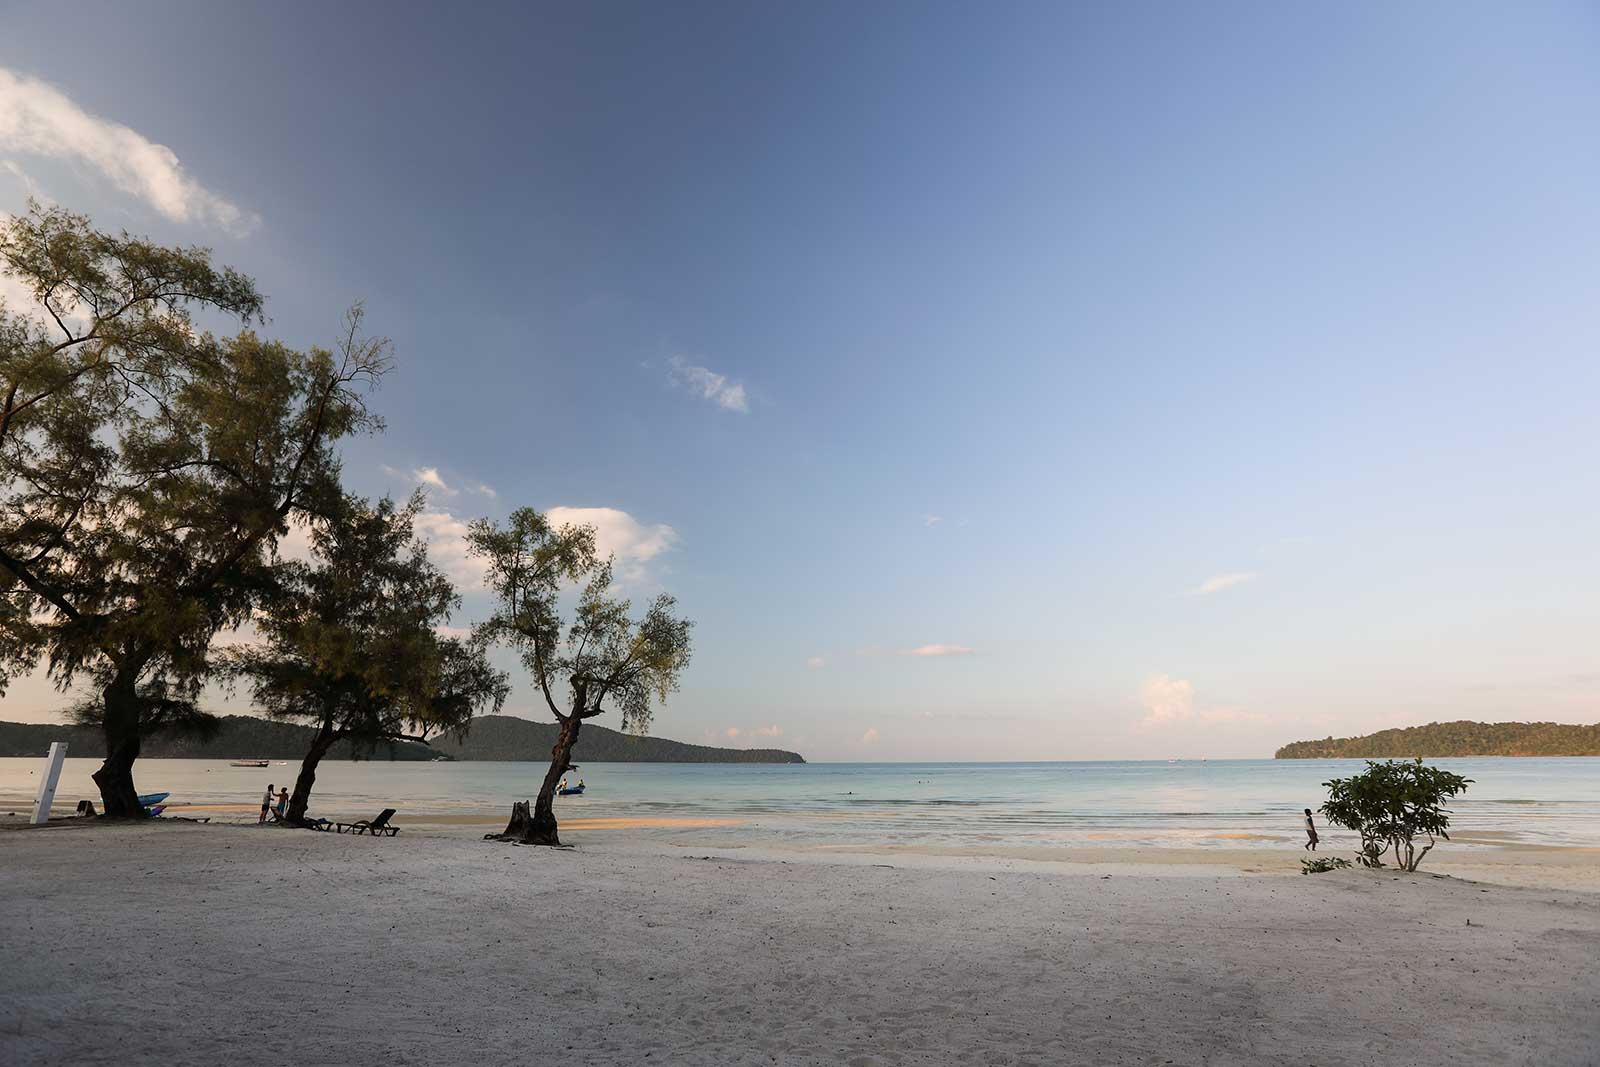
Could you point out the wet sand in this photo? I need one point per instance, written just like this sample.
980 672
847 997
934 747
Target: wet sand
188 944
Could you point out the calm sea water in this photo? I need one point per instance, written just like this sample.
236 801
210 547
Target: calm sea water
1223 803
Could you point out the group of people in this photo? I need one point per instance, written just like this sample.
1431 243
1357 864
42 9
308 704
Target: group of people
268 802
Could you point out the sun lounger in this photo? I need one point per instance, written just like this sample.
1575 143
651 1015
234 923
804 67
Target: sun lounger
319 824
375 827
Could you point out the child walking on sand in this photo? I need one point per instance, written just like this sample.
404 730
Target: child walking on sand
266 805
1311 832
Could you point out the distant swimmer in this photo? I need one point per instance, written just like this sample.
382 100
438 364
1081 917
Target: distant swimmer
1311 832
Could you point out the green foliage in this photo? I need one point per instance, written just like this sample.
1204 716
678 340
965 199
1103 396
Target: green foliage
1390 804
351 638
1456 739
147 467
1322 865
604 656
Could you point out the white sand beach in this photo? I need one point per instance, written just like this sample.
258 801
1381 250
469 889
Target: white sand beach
186 944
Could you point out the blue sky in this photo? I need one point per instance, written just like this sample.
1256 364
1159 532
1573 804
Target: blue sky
1021 381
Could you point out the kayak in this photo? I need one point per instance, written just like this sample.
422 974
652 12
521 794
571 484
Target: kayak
152 799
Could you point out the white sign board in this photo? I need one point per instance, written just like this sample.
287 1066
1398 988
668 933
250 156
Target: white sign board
47 787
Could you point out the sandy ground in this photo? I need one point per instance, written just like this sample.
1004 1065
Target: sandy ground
183 944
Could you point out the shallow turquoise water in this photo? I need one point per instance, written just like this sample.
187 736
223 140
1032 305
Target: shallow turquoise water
1203 803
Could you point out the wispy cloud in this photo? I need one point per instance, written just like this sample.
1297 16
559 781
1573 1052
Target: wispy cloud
772 730
38 119
932 520
1218 582
817 662
870 737
728 395
939 650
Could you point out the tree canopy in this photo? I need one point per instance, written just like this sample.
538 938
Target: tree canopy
147 467
352 641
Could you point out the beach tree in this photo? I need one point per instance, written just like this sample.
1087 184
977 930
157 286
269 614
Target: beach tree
1390 805
583 646
147 467
352 643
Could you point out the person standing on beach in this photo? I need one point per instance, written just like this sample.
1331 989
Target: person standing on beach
266 805
283 801
1311 832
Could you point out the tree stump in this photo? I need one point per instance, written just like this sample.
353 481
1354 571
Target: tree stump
524 829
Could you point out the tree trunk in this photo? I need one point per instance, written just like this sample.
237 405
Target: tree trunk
300 799
539 827
118 796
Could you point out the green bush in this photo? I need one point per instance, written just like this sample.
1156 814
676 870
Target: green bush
1390 804
1322 865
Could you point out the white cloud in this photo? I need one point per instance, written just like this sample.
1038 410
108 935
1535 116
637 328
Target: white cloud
430 477
1218 582
932 520
772 730
38 119
1167 700
731 733
1170 701
870 737
484 490
616 533
939 650
447 546
817 662
709 384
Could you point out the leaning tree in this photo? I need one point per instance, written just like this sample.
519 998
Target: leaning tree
147 468
603 658
352 643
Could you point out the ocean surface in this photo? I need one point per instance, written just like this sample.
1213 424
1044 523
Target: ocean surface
1190 803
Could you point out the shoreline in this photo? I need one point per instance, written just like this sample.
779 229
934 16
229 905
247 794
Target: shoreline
1494 861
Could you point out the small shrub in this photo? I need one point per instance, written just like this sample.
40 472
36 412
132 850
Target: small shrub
1390 804
1322 865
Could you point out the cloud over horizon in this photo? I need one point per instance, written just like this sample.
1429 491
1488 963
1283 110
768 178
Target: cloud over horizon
38 119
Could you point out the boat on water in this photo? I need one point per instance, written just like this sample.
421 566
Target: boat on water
249 763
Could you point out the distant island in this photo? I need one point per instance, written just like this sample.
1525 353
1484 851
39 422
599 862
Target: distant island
1456 739
492 737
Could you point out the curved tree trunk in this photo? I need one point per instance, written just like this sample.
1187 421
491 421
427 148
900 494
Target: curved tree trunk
118 796
539 826
300 799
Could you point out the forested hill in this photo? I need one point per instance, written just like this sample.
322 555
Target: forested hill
492 737
1456 739
503 737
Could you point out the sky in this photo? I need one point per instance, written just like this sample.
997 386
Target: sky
1018 381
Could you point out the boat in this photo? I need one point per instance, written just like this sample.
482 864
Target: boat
150 800
575 791
249 763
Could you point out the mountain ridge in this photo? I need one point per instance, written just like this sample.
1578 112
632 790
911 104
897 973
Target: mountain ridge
1462 737
491 737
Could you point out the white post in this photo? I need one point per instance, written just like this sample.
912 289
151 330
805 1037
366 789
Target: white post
47 787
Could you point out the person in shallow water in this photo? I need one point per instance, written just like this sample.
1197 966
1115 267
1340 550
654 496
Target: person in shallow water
1311 832
266 805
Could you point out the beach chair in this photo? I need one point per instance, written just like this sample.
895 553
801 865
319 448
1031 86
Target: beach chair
375 827
319 824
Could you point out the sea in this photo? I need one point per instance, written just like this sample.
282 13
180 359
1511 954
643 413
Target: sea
1184 803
